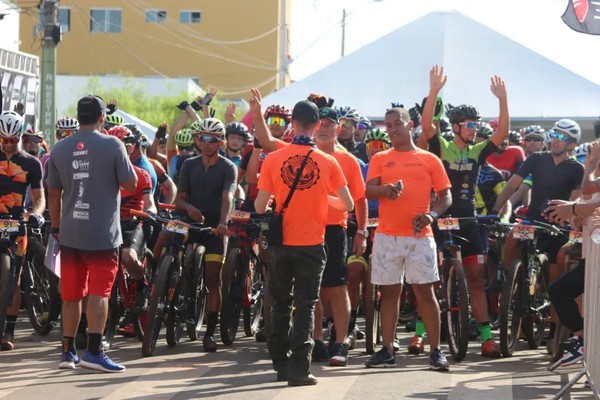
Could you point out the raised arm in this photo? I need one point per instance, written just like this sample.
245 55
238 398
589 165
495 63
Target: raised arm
499 90
437 80
260 126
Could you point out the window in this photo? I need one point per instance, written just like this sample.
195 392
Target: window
105 20
64 19
189 17
156 16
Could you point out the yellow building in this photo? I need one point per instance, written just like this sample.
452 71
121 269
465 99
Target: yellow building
231 44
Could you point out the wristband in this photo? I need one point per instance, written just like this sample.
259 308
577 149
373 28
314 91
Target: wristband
54 230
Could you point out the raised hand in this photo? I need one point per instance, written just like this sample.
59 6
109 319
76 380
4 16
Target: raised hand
230 113
497 87
437 79
255 101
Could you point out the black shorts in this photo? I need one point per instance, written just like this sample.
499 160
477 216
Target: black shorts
467 237
550 245
336 269
213 244
133 235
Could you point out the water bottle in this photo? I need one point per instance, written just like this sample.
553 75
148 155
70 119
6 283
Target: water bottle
596 236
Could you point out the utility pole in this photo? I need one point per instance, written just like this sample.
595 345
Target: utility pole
49 17
343 30
283 49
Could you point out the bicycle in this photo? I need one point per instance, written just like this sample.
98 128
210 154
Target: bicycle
243 288
372 299
178 292
525 304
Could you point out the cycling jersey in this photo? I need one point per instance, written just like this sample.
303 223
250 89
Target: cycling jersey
143 163
16 174
176 163
462 166
489 185
358 150
509 161
135 200
373 204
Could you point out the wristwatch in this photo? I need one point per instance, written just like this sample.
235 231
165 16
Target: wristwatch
365 233
433 215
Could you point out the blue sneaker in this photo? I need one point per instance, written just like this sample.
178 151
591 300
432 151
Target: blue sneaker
100 362
68 360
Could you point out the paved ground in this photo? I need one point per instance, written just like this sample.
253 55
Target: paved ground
243 371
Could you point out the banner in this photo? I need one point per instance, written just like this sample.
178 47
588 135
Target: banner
583 16
16 88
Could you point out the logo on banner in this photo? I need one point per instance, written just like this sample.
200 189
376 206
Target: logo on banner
583 16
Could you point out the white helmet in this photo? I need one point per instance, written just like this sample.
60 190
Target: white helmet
212 126
11 124
67 124
349 113
568 127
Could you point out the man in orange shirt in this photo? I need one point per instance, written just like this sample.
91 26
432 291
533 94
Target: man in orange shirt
296 267
403 247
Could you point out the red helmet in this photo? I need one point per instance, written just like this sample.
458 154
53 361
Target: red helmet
32 132
120 132
288 135
278 110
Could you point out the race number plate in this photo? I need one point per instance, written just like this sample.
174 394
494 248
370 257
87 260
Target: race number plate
448 224
575 237
372 222
523 232
177 226
240 216
9 225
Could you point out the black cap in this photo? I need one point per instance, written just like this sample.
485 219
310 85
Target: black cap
91 105
329 113
306 111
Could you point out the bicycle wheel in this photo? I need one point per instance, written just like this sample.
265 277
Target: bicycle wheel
253 314
174 321
156 305
536 317
4 286
115 312
232 290
457 314
200 295
511 308
39 293
371 317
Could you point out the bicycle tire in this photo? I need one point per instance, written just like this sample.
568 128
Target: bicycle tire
253 314
115 312
371 318
156 305
456 295
232 289
200 295
267 323
4 286
38 296
511 313
148 265
534 322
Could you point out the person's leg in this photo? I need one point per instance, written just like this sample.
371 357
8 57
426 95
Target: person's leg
563 293
390 309
429 311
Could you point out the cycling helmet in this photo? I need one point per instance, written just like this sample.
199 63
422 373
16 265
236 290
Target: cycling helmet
114 120
349 113
213 126
581 152
463 112
144 140
484 131
184 138
238 128
120 132
288 135
514 138
11 124
195 126
377 134
568 127
67 124
32 132
364 121
445 126
278 110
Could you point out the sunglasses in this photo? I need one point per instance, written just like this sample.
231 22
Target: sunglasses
560 136
208 139
347 124
63 134
363 126
10 140
534 140
32 140
470 124
189 149
377 145
279 121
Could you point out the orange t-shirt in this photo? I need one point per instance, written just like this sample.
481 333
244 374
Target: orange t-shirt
305 218
420 172
356 185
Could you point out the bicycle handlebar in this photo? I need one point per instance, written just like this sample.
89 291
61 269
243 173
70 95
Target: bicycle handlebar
193 226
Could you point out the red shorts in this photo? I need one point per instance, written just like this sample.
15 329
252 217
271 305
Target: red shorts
85 272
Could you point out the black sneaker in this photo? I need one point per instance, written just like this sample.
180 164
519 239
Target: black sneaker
574 352
381 359
360 335
411 325
319 352
437 361
209 344
473 329
339 357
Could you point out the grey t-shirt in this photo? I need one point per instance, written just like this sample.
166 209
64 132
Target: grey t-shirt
89 167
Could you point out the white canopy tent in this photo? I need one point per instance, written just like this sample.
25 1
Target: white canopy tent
396 68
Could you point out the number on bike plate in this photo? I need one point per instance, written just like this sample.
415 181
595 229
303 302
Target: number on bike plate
448 224
575 237
8 225
240 216
177 227
372 222
524 232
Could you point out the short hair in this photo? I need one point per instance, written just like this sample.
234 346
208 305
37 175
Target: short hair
88 119
402 113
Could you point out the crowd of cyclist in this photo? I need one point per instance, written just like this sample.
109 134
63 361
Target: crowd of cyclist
207 168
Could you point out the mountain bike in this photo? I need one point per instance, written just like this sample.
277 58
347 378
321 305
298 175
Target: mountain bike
372 299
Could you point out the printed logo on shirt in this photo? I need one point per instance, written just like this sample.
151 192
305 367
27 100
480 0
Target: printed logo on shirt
80 153
81 205
80 175
81 215
390 164
310 174
80 146
81 165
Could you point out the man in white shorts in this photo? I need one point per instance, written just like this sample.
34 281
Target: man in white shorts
403 246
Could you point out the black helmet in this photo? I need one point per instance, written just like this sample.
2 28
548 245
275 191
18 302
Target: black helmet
484 131
461 113
238 128
514 138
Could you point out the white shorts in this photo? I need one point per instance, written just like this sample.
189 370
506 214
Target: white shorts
393 257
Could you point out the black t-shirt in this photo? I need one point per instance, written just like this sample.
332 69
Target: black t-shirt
358 150
16 174
550 181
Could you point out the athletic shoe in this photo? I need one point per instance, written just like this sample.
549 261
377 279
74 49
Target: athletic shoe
305 381
319 352
381 359
351 340
100 362
127 330
339 357
437 361
574 352
360 335
489 348
7 342
68 360
473 329
411 325
416 345
210 344
260 336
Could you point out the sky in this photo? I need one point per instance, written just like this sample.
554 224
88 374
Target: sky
315 29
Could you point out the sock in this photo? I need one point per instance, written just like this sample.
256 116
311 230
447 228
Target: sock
420 327
11 321
95 343
68 344
486 331
352 324
211 323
